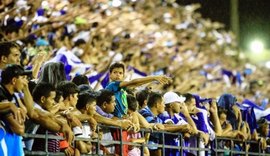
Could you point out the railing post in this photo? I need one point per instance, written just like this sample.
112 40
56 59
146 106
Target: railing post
46 143
216 146
163 143
181 144
198 145
232 145
259 147
98 142
121 142
142 147
245 145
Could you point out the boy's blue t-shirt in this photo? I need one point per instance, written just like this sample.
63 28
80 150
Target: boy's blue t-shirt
120 97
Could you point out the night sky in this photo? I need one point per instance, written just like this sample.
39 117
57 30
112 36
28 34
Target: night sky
254 17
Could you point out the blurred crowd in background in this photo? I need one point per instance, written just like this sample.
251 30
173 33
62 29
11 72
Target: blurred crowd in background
158 45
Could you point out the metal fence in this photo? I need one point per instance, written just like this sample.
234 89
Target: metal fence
214 151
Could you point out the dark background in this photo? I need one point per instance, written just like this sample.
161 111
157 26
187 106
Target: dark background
254 17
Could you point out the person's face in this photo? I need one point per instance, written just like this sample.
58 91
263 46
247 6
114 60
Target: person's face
48 102
191 105
161 106
91 108
73 99
14 56
223 117
82 46
109 107
175 106
117 74
265 130
19 83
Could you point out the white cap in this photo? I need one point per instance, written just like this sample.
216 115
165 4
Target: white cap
170 97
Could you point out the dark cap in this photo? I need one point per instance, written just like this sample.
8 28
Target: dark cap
13 70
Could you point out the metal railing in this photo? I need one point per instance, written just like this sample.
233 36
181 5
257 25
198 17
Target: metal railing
181 148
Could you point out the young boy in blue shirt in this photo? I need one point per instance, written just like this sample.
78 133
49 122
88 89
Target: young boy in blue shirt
118 86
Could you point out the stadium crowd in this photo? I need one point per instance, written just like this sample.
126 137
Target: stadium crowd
68 66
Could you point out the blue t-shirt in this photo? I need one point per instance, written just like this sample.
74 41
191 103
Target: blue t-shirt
12 140
200 122
120 98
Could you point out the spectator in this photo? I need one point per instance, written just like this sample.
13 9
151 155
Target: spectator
199 120
173 106
133 135
13 80
70 96
44 96
6 108
106 106
141 97
80 80
87 106
10 54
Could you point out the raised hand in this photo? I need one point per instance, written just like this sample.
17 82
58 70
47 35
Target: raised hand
163 79
183 109
213 107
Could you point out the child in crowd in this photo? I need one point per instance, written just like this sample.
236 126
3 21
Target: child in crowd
118 86
87 106
134 136
70 95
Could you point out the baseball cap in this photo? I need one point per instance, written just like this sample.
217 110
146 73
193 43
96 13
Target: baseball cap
13 70
170 97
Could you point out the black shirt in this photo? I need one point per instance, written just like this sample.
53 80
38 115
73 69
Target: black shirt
5 96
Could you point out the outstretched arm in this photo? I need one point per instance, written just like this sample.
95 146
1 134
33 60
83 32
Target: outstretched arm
141 81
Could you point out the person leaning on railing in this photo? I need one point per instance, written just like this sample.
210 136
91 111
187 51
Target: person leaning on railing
44 97
155 106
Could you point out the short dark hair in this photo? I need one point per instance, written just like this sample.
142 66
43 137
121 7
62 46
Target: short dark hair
262 125
84 99
188 97
79 42
67 88
153 99
42 89
58 96
117 65
5 48
85 88
105 96
132 103
141 96
80 79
